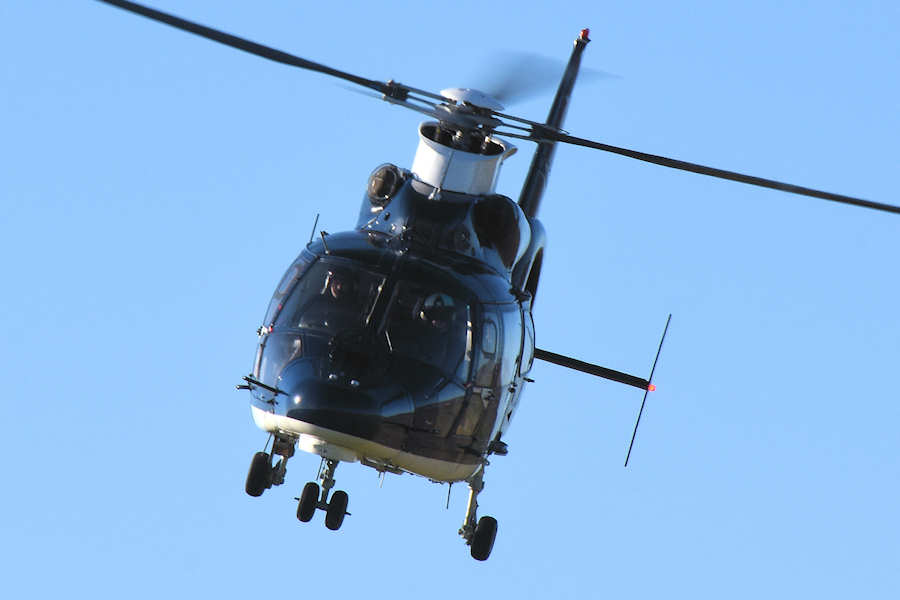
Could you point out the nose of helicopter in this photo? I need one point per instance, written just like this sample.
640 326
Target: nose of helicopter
334 407
349 409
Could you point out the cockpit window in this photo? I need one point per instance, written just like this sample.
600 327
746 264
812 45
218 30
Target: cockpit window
284 286
331 298
430 326
418 323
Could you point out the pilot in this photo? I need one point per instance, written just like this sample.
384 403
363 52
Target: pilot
336 286
333 304
438 311
340 286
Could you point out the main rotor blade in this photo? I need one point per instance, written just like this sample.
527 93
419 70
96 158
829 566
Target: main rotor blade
549 135
514 77
252 47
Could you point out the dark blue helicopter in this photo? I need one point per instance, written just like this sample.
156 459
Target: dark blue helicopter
405 343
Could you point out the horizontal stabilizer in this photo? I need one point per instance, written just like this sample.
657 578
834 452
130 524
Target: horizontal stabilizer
591 369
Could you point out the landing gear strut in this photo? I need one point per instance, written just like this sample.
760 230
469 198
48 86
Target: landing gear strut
310 499
478 533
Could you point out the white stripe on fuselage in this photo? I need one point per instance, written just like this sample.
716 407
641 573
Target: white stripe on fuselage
348 448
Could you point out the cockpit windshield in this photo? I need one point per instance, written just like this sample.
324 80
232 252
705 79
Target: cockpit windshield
428 325
348 310
331 298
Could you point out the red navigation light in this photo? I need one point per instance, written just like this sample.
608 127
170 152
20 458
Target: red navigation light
651 388
585 33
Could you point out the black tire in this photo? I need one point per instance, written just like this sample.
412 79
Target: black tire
306 507
483 540
337 508
259 477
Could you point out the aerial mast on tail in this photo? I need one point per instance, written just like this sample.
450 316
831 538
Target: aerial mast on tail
536 180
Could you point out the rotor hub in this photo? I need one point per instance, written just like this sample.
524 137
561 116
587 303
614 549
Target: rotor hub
472 97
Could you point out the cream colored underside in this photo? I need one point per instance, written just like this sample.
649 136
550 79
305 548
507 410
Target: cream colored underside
348 448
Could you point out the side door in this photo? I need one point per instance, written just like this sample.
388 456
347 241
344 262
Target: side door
477 418
518 347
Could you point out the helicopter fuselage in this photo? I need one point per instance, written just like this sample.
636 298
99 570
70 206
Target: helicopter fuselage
388 348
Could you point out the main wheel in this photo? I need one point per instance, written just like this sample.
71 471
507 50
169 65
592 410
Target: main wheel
337 508
259 477
306 507
483 540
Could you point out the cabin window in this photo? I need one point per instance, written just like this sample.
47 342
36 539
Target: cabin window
512 342
489 338
486 363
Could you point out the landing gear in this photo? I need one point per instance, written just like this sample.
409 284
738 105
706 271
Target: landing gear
483 540
262 474
337 508
478 533
310 499
306 505
259 477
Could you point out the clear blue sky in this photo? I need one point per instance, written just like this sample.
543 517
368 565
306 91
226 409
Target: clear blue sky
154 186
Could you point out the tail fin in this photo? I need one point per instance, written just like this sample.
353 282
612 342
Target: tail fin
536 180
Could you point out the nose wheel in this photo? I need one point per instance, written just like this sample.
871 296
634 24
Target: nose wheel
306 503
314 497
337 509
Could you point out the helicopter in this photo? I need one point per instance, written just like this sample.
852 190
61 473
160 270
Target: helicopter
405 343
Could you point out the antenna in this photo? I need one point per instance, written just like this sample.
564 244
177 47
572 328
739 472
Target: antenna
650 388
313 232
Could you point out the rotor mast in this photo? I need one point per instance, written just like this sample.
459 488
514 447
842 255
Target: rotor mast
539 171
